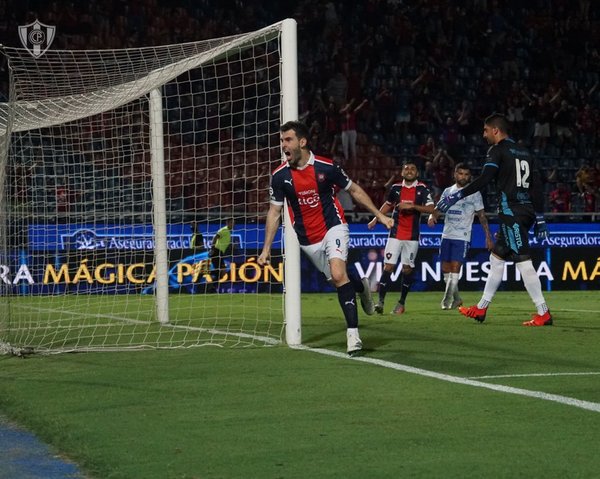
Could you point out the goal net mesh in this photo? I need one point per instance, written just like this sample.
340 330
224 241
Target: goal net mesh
77 256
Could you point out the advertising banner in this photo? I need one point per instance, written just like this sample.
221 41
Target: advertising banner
119 259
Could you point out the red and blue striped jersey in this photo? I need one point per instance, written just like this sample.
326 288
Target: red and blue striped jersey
310 193
406 222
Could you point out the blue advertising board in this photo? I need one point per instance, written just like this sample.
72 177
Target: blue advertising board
63 237
113 259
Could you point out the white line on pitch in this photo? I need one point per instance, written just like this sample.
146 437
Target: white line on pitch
533 375
590 406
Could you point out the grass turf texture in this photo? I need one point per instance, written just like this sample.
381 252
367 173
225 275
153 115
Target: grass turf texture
276 412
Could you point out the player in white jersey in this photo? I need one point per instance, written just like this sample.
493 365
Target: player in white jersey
456 235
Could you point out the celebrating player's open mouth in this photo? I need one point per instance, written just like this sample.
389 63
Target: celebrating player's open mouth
293 156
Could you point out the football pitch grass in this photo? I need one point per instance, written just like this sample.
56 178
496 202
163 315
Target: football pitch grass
435 395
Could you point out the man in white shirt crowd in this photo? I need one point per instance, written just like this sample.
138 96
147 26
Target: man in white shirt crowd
456 235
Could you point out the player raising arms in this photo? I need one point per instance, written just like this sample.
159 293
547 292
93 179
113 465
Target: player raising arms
520 205
456 234
308 184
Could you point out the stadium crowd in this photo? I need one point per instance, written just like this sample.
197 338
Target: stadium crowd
386 80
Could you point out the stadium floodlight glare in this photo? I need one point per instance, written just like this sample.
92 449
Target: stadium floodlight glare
111 161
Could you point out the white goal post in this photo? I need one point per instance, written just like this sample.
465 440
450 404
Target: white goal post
118 171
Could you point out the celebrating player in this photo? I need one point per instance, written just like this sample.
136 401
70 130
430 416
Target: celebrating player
408 200
456 234
520 205
308 183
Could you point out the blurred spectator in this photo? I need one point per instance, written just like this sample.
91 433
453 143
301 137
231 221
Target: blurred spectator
586 126
585 178
62 198
332 127
560 199
514 114
591 199
563 120
442 173
316 138
541 116
348 124
384 102
403 102
450 137
421 118
464 117
337 88
427 152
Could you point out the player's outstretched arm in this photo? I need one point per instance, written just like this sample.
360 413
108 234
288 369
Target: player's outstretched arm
385 209
362 198
273 219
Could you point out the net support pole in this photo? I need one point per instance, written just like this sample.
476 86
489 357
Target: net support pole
4 145
159 205
289 111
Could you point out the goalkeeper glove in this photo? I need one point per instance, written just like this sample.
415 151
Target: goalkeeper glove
540 229
446 202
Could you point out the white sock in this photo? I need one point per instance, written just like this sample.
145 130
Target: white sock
454 285
533 285
352 331
447 291
493 281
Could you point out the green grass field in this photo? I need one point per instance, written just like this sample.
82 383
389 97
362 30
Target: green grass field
420 402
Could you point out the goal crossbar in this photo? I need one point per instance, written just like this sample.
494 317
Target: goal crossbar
34 114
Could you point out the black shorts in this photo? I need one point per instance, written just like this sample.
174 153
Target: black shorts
513 236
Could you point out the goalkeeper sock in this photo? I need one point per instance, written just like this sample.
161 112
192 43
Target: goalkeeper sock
386 277
493 281
347 299
532 285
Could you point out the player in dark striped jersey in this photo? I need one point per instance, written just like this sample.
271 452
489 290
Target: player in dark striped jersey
520 205
308 183
408 200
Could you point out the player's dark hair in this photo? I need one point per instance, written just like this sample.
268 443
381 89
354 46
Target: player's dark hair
299 128
462 166
410 162
497 120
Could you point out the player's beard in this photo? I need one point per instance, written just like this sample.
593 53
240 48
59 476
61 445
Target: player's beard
295 157
489 140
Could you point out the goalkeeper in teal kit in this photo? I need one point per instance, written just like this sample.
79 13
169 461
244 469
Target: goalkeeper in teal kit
520 203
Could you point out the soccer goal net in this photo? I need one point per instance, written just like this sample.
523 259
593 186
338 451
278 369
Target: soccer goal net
133 186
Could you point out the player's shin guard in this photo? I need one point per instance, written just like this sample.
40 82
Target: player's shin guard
347 299
533 285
